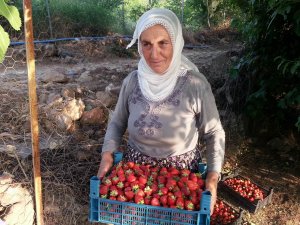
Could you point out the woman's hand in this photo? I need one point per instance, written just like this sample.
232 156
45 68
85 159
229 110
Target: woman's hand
211 184
105 164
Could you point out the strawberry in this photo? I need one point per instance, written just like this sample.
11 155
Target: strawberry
122 198
171 199
171 184
185 191
163 171
164 200
161 179
201 182
115 180
148 191
143 179
154 187
122 177
130 165
155 202
139 199
185 172
178 194
147 200
192 185
120 184
173 171
106 181
112 198
131 178
103 189
193 177
129 194
179 203
189 205
163 191
140 192
194 197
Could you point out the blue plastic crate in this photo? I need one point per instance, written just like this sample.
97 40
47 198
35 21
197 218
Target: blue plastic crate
121 213
127 213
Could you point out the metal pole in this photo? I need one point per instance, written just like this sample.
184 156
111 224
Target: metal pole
27 8
49 18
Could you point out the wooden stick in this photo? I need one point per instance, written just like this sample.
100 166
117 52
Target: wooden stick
27 8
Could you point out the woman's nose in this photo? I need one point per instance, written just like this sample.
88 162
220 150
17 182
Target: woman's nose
154 52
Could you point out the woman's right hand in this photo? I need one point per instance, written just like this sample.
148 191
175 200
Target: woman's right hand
105 164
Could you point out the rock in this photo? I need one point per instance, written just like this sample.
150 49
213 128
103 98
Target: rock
54 76
105 98
68 92
52 97
49 50
16 201
85 77
74 109
95 116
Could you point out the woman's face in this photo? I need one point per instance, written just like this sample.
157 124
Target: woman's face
157 48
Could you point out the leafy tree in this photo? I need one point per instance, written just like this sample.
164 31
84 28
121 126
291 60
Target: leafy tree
272 64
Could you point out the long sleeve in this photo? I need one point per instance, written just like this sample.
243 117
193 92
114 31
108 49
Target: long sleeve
118 123
210 129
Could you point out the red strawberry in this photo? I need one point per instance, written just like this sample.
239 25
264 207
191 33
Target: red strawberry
143 179
193 177
173 171
163 171
120 184
122 198
148 190
171 184
171 199
185 191
155 202
130 165
201 183
115 180
139 199
164 200
178 194
189 205
194 198
147 200
122 177
103 189
107 181
163 191
131 178
140 192
154 188
192 185
185 172
112 198
129 194
161 179
180 203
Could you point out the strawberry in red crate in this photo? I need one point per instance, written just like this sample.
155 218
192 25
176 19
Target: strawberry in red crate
156 186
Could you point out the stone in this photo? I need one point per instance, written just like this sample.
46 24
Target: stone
95 116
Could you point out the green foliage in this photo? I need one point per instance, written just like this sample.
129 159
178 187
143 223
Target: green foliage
11 13
272 64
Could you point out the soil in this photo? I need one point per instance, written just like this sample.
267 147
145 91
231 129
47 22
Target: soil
65 176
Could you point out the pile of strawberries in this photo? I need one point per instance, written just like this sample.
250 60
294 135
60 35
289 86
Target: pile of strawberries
245 188
223 214
156 186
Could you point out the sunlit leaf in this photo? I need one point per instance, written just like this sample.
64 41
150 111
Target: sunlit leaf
11 13
4 43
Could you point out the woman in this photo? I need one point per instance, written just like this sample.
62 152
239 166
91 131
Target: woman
166 105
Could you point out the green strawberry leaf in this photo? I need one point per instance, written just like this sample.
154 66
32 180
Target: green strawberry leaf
11 13
4 43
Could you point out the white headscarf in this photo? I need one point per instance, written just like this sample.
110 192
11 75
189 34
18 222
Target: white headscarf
155 86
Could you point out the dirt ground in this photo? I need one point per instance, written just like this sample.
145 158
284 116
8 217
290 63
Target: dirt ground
65 175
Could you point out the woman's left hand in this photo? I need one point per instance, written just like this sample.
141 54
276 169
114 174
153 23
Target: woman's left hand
211 185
